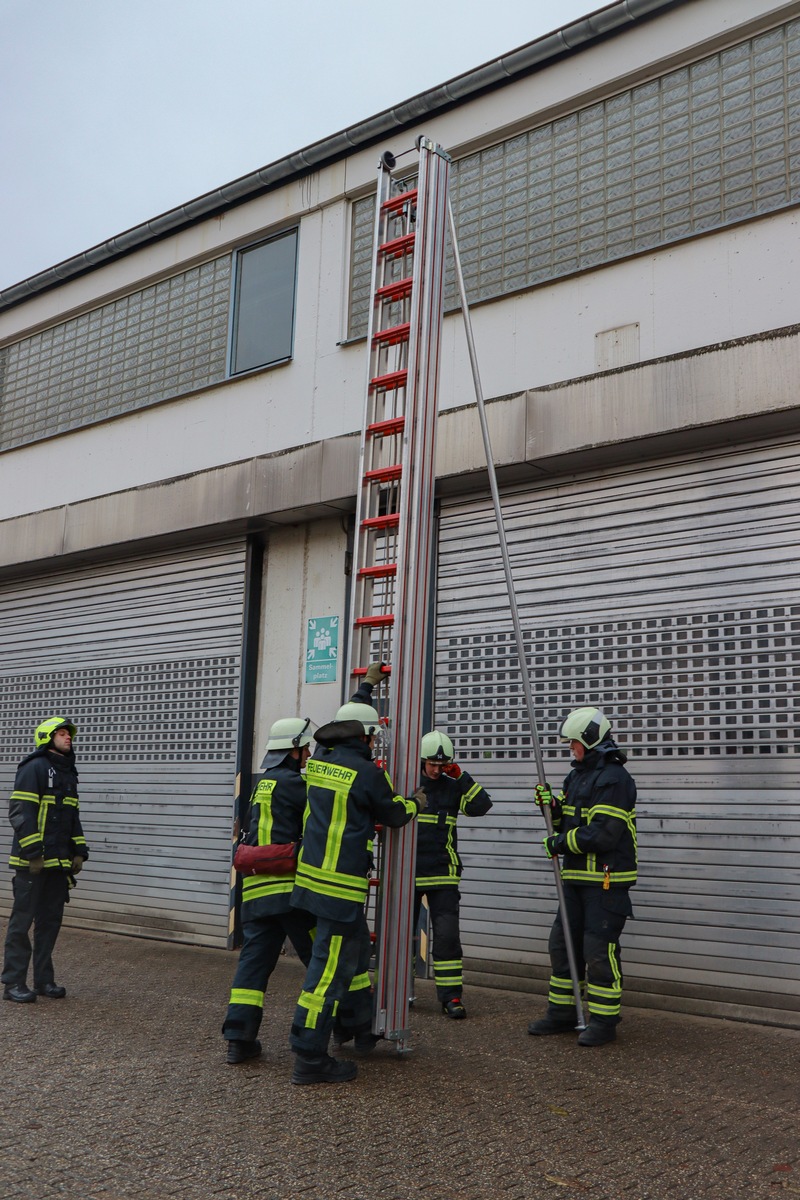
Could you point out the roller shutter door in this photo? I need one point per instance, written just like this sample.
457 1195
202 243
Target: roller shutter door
670 596
144 655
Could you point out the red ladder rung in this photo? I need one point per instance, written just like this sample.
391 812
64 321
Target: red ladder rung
391 519
389 382
395 291
397 247
386 428
383 474
395 203
376 573
393 335
374 622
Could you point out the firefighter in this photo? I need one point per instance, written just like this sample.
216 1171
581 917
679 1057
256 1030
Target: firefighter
450 792
47 852
595 822
276 818
347 795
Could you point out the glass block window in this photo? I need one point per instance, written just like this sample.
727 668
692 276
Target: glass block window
263 322
695 685
182 710
698 149
163 341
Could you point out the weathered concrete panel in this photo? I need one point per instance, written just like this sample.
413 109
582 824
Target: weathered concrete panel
750 378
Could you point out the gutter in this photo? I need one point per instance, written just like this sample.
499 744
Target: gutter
518 63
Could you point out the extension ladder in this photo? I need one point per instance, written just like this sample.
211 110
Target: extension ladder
389 611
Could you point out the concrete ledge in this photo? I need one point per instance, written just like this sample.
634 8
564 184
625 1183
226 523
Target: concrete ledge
672 399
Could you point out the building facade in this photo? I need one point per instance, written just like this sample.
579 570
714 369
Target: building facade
179 428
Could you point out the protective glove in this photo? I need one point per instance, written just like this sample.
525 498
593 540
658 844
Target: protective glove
36 865
77 864
553 844
453 770
421 799
374 673
543 795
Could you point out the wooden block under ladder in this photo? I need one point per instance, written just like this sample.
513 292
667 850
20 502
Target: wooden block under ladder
383 474
389 382
398 202
392 336
397 247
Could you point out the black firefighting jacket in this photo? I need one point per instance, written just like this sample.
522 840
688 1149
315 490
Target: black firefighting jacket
277 806
347 795
43 812
596 822
438 861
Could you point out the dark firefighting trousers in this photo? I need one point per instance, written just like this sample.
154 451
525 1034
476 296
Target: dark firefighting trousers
263 939
596 920
448 967
38 901
336 986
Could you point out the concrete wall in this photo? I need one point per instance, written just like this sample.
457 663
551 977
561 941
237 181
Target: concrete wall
726 392
304 577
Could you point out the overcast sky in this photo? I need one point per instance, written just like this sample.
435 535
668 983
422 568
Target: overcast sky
113 111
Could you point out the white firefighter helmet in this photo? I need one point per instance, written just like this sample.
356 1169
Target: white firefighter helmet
290 733
589 726
365 713
436 747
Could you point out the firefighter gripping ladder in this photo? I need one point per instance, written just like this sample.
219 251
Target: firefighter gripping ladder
392 557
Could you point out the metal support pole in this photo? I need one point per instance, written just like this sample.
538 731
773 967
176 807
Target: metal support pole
512 600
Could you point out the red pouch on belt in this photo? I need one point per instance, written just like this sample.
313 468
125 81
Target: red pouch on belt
277 859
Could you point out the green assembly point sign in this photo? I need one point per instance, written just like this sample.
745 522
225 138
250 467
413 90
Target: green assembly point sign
322 649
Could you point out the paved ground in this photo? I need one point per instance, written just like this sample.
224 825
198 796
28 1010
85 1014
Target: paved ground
121 1092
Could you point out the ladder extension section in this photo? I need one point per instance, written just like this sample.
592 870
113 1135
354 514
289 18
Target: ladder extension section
394 523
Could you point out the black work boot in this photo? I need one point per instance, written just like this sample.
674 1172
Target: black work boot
322 1069
52 990
20 993
597 1033
365 1042
454 1009
239 1052
547 1025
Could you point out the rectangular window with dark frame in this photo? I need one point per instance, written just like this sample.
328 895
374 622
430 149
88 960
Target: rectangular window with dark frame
263 305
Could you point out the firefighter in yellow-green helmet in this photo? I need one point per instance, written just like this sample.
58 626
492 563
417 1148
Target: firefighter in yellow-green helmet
451 793
594 819
47 852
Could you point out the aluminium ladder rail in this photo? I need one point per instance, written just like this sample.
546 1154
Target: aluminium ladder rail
389 610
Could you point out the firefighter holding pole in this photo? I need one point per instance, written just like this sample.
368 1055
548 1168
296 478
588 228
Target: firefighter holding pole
594 835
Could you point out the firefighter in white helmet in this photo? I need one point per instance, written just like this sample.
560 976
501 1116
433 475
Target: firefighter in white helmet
451 792
347 795
276 818
595 822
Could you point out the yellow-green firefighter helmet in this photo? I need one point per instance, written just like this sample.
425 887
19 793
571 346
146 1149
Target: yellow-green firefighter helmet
589 726
45 731
436 747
